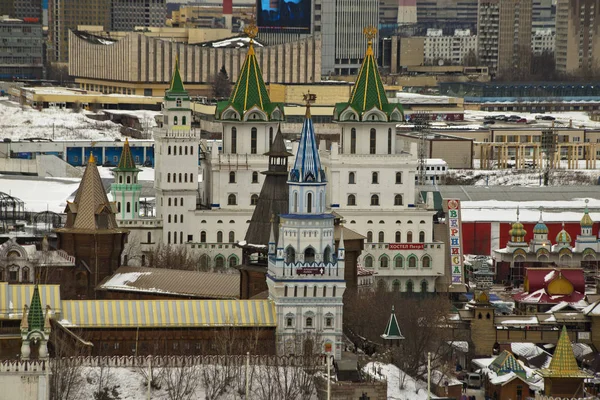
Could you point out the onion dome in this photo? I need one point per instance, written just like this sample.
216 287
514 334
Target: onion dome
517 229
540 228
586 221
563 236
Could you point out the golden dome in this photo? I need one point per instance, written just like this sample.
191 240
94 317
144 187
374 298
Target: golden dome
586 221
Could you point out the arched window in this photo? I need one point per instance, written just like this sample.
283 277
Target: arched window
178 103
368 262
254 200
175 120
120 179
231 237
185 147
203 237
232 177
192 150
398 237
232 261
253 141
369 237
128 207
254 177
398 262
169 177
422 237
424 286
149 237
398 200
231 200
233 140
169 150
390 141
295 202
174 150
119 206
384 262
185 176
309 199
270 137
412 262
327 255
396 286
426 262
381 237
309 255
128 180
309 322
168 237
219 263
374 200
351 200
219 237
375 177
25 274
351 178
409 287
175 218
175 201
372 141
409 237
353 141
398 178
184 122
191 178
290 255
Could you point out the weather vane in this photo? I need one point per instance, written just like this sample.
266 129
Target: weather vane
309 98
251 29
370 32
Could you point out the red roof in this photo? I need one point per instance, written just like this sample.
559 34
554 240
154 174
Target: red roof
538 280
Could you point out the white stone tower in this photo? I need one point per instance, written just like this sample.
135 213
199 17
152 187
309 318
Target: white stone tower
305 275
176 171
126 190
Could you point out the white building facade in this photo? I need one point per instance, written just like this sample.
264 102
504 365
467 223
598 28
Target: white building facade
440 48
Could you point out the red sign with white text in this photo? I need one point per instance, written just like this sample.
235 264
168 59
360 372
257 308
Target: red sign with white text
406 246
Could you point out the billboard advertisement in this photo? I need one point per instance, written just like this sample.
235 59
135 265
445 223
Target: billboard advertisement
284 14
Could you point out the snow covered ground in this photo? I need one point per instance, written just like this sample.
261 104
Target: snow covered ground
18 122
523 177
400 385
40 194
579 119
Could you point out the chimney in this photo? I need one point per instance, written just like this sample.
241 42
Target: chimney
228 13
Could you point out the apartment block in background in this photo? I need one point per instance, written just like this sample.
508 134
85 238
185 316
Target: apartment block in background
21 49
22 9
577 36
127 14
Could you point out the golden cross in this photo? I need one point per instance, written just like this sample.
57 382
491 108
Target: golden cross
251 29
370 32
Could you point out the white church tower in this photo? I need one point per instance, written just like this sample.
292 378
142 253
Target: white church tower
305 275
176 171
126 189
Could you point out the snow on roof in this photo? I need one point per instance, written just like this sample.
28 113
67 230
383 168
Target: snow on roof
460 345
549 276
483 362
526 350
525 321
121 281
592 310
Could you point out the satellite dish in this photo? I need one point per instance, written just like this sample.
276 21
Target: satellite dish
440 62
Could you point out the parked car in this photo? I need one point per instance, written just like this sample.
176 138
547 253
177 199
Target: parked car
489 122
548 118
474 381
522 121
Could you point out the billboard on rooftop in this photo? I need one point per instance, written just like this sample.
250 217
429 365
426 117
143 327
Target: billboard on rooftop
284 15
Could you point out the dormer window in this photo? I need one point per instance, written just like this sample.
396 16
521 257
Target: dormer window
178 102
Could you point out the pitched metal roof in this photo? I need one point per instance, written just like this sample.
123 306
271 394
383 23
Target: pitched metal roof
176 86
126 162
307 167
564 364
168 313
13 298
206 285
506 363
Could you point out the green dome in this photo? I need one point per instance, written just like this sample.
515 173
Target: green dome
517 230
563 237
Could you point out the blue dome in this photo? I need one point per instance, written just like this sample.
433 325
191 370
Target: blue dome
540 228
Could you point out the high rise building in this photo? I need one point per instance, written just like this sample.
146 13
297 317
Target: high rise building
21 49
577 35
66 15
450 14
127 14
22 8
543 15
341 24
504 35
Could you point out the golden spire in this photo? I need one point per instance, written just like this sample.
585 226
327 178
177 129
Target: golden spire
92 159
370 33
309 98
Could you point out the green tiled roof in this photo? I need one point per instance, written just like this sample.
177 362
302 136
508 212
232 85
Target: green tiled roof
506 363
176 88
126 163
563 364
392 329
368 91
35 317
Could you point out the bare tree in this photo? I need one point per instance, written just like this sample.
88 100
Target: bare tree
102 378
221 86
182 379
174 257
